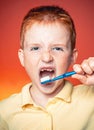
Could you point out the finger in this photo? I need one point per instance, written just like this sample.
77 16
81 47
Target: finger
85 79
80 77
77 68
91 63
86 67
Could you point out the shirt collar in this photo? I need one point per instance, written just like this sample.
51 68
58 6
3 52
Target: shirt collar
66 92
26 97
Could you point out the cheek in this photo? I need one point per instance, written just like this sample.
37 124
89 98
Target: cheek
30 59
29 62
30 67
64 62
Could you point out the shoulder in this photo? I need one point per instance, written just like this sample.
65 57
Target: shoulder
10 102
84 89
9 106
84 92
14 102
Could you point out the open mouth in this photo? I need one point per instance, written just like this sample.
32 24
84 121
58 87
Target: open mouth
44 72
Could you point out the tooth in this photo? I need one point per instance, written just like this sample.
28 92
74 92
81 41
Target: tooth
47 70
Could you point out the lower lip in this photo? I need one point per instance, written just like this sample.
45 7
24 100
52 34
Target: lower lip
47 84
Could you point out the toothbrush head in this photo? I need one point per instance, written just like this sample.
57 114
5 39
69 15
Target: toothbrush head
45 78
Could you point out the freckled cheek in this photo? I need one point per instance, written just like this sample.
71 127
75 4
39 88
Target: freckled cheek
63 63
31 58
29 61
31 68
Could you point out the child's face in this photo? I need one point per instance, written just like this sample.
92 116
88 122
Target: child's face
47 51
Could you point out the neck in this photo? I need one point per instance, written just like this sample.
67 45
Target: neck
40 98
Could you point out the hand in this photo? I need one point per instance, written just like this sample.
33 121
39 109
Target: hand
85 71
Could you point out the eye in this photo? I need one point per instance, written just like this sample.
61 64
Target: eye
34 48
58 48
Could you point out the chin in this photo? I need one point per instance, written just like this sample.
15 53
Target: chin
51 88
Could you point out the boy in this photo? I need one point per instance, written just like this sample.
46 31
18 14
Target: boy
48 39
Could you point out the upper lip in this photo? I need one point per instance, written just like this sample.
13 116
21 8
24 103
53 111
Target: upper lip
48 68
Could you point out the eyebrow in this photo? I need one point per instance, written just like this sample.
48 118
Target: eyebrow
52 44
31 44
60 44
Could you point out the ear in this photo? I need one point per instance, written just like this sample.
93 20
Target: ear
21 56
74 56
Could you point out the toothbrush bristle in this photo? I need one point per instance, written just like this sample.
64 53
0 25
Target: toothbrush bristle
45 78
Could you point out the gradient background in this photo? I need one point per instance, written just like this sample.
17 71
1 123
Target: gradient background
12 75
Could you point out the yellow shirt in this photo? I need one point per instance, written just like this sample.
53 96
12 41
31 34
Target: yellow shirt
71 109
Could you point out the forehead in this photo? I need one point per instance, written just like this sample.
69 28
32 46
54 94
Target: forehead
49 32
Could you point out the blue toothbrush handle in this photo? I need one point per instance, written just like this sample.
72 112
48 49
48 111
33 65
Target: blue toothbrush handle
67 74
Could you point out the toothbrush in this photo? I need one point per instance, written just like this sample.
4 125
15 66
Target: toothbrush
47 79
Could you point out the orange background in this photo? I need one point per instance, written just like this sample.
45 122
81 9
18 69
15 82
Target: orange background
12 75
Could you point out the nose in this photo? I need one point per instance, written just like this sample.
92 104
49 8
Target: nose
47 57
